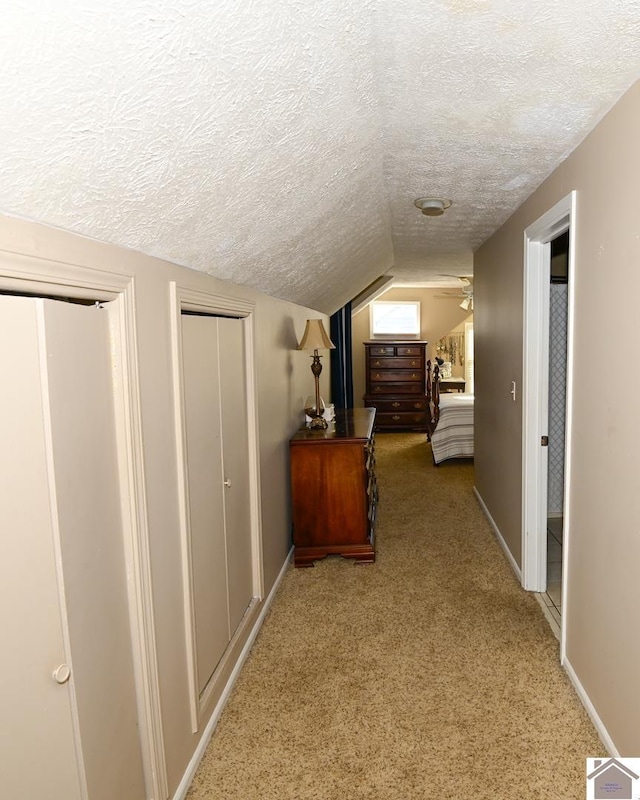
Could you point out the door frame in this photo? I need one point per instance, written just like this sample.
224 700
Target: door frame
537 259
185 299
31 275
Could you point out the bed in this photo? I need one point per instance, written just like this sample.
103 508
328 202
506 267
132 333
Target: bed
451 432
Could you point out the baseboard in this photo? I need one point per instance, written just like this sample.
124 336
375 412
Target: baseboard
607 741
499 537
187 778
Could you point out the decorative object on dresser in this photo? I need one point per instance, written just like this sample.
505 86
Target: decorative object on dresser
333 489
316 338
397 384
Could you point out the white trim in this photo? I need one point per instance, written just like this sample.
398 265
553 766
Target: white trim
603 733
41 276
255 492
184 299
183 506
568 425
535 379
371 293
208 303
137 551
535 387
32 275
500 538
187 778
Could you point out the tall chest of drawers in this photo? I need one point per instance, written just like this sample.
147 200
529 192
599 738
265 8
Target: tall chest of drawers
397 384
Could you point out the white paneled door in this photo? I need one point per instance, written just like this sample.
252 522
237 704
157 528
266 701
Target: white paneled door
67 697
217 466
235 457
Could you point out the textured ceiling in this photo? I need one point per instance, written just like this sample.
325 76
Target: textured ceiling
281 143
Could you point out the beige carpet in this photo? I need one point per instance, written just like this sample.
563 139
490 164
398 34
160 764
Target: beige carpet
429 674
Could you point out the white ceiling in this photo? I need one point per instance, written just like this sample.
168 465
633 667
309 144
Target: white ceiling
281 143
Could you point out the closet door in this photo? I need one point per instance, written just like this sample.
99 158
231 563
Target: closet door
236 467
215 409
37 731
62 395
87 490
201 391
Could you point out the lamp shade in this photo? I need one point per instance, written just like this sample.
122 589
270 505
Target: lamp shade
315 337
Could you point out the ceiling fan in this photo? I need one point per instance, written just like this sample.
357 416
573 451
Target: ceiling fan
465 292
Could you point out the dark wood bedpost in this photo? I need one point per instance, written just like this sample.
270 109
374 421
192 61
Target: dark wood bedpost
435 395
428 380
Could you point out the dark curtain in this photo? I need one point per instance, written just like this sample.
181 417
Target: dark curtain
341 366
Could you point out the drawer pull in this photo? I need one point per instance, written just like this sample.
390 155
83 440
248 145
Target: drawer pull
414 376
417 405
395 417
377 389
377 376
376 363
395 405
414 363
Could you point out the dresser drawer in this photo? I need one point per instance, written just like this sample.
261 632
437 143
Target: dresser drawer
401 419
395 405
395 363
415 387
409 350
395 375
382 350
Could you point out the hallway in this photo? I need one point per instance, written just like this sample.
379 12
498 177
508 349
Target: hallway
427 674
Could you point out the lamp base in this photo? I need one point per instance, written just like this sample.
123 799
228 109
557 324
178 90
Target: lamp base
318 423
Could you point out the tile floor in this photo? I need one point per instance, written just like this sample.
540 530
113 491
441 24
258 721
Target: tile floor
553 596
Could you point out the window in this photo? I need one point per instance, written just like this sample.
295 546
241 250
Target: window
401 318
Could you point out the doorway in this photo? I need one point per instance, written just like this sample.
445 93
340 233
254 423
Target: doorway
558 320
215 404
538 490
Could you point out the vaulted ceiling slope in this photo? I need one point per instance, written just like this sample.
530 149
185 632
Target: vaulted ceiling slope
281 143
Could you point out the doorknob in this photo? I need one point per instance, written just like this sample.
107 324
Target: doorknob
62 673
227 482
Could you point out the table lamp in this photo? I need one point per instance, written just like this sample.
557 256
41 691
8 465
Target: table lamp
315 338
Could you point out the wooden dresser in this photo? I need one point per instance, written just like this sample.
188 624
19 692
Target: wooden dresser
333 488
397 384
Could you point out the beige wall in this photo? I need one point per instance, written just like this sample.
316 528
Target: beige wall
283 380
439 316
603 600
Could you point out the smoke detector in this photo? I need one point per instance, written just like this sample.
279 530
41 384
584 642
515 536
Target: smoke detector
432 206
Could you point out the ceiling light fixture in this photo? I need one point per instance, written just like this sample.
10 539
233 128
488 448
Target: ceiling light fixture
432 206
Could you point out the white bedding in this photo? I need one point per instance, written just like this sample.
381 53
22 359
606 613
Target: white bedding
453 436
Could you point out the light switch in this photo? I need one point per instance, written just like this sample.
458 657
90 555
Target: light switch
513 391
